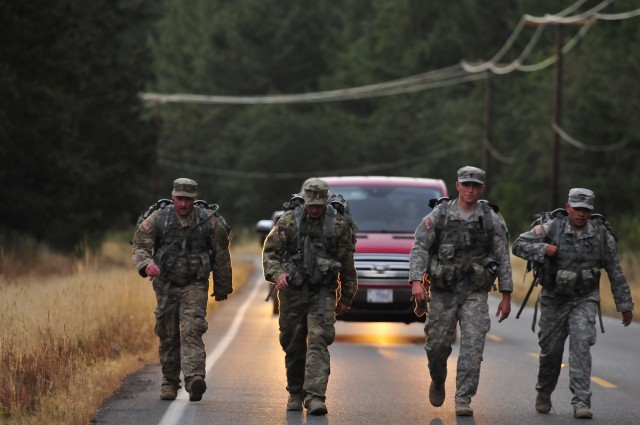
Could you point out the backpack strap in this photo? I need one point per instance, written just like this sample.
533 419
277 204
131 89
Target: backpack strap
162 221
486 209
327 231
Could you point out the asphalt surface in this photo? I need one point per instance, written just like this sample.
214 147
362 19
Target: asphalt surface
378 376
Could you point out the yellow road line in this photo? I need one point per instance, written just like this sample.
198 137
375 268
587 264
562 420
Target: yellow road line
494 338
603 383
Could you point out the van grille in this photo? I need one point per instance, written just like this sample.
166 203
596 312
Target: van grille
382 269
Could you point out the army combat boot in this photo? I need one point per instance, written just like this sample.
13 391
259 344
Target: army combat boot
197 387
315 407
168 392
582 412
295 402
436 393
543 403
463 409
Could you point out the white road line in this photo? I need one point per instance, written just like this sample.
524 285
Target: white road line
174 412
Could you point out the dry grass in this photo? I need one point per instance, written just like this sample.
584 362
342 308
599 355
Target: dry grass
72 330
68 339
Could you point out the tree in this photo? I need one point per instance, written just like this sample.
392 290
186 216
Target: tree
74 137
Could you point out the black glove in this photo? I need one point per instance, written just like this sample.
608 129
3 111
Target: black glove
219 297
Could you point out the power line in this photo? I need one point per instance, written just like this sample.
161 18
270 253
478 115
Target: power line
440 78
366 169
578 144
491 63
558 19
455 74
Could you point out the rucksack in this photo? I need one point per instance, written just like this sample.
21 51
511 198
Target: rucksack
557 216
337 201
484 204
162 203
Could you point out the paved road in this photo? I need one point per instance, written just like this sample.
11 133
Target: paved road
378 376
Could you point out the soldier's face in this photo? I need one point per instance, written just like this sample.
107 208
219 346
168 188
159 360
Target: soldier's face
183 204
578 217
469 191
315 211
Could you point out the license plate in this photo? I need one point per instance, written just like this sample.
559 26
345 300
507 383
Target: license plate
379 295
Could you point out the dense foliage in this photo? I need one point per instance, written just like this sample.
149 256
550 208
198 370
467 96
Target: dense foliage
74 144
249 158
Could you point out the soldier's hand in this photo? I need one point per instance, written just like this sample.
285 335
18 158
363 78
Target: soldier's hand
504 308
219 297
152 270
627 316
281 281
418 292
341 309
550 250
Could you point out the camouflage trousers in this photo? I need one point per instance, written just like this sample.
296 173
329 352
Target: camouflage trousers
180 326
305 336
440 328
575 319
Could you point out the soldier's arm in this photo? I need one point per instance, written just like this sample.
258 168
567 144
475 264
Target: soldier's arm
275 246
143 243
348 273
221 261
619 286
500 248
425 235
531 245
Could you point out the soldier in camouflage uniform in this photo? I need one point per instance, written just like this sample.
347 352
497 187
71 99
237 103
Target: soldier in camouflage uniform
573 249
307 255
462 246
178 246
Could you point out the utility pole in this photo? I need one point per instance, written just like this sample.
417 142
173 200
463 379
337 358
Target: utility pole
554 174
557 119
486 163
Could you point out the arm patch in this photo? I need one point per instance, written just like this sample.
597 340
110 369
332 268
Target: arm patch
538 231
145 226
427 223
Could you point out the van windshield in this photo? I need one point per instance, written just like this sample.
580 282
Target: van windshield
387 209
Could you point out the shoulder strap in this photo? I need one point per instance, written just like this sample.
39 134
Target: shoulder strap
555 229
329 225
162 219
486 209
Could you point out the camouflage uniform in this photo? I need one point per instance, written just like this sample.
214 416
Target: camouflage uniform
438 250
572 313
307 311
181 293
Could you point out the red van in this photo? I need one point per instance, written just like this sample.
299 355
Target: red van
387 211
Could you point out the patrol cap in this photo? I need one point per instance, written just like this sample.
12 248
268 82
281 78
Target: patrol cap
185 187
581 198
315 191
471 174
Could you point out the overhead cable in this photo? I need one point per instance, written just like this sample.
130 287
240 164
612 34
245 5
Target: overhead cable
455 74
618 16
406 85
491 63
366 169
558 19
497 155
578 144
506 69
553 59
